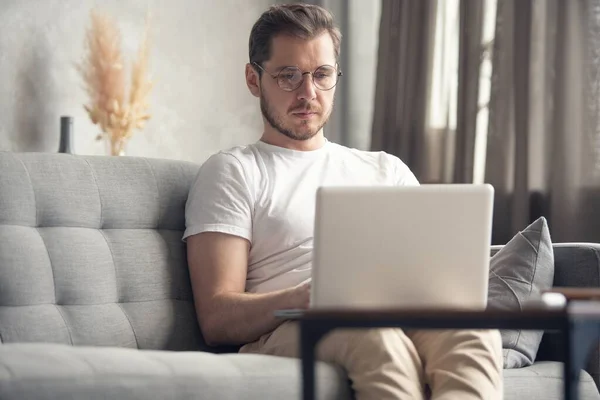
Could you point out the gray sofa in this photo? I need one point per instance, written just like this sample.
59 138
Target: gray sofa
96 303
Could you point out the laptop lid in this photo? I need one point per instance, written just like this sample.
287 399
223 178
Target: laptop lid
422 246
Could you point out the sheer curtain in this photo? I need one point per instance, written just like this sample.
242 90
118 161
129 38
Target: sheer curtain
499 91
406 36
542 145
433 86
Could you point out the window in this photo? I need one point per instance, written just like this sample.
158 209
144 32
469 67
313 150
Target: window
443 95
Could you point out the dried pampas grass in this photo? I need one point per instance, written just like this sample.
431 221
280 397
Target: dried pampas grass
103 74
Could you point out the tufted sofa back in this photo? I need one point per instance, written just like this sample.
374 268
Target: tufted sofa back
91 251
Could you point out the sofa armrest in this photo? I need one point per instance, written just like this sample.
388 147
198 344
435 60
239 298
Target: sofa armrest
575 265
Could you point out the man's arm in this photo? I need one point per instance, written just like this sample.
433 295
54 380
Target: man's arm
218 265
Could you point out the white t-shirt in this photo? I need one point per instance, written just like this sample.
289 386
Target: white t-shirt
266 194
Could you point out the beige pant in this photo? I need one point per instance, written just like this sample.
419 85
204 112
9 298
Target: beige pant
396 364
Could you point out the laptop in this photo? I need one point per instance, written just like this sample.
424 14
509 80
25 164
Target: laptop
401 247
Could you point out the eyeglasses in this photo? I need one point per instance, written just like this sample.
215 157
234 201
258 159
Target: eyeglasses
290 78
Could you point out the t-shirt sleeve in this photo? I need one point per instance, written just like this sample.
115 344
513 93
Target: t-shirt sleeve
220 199
404 176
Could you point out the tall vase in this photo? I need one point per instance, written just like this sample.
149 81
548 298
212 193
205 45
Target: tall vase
117 146
66 135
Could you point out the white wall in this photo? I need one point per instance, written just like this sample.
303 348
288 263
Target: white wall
200 103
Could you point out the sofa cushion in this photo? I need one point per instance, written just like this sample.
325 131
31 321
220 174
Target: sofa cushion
521 270
543 381
91 251
575 265
57 371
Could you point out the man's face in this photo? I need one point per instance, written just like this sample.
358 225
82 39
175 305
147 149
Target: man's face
301 113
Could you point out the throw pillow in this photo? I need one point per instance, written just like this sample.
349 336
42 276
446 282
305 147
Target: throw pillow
521 270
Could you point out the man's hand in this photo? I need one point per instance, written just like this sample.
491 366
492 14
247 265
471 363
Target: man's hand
301 296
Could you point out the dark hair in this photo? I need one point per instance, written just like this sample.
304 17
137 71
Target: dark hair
301 20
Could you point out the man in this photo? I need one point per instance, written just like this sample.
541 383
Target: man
250 218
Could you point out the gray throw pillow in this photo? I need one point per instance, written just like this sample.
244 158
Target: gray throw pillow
521 270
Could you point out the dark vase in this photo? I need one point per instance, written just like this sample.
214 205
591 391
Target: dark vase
66 135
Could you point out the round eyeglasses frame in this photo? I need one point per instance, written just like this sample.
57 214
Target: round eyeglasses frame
312 74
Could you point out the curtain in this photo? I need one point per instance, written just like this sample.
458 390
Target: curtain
499 91
542 144
427 95
403 64
469 64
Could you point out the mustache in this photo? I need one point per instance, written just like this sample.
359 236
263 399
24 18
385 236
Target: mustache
305 107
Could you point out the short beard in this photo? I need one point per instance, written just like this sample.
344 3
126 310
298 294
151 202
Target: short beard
276 122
